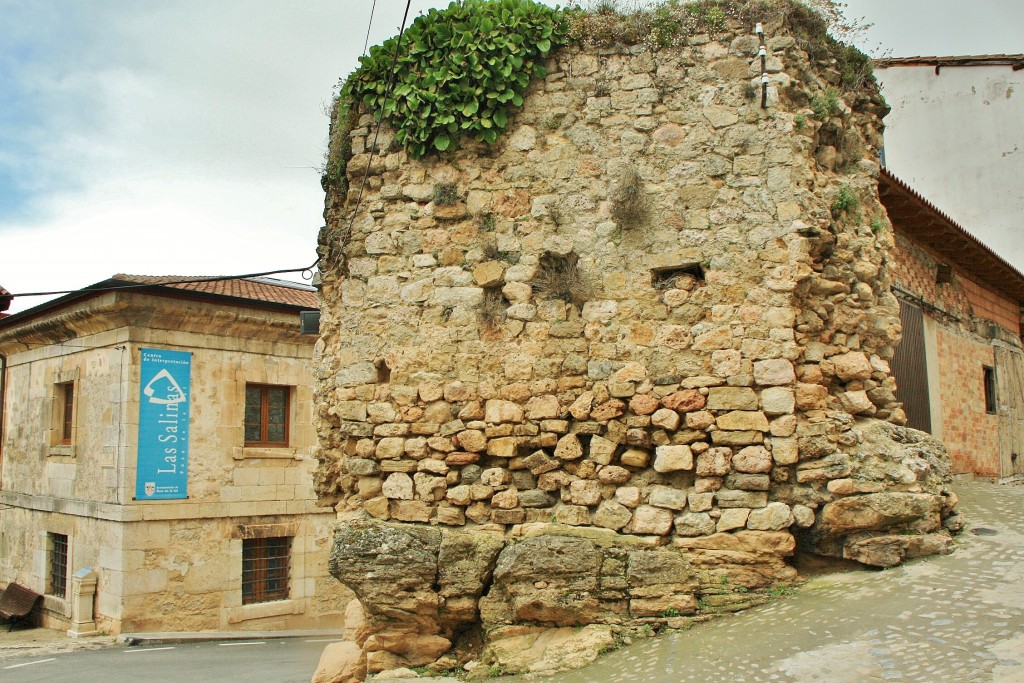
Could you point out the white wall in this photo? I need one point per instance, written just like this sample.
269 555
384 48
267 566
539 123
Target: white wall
958 139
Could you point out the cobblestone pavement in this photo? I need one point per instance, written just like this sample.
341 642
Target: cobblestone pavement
953 618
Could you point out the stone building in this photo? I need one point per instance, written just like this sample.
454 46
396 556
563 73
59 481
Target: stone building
615 367
960 364
232 538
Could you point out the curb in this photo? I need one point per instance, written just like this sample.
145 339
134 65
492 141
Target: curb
133 639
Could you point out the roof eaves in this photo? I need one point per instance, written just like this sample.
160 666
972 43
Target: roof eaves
996 271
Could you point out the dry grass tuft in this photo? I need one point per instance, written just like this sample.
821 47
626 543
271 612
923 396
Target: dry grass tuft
560 277
631 206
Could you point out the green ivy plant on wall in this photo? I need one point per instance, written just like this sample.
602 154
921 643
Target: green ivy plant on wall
461 71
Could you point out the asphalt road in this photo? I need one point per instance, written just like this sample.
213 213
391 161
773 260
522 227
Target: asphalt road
283 660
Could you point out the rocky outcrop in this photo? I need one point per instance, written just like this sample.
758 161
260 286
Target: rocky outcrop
893 505
423 589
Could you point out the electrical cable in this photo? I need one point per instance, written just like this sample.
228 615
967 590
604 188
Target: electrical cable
347 233
366 43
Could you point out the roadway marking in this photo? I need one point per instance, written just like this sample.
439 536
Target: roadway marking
323 640
38 661
148 649
231 644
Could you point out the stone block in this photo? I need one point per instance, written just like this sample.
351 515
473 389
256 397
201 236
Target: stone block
694 524
743 420
785 450
543 408
700 502
635 457
773 517
667 497
628 496
612 515
390 448
569 448
811 396
613 474
539 462
650 520
699 420
646 404
585 492
666 419
673 459
851 366
497 411
659 606
732 518
720 437
748 482
514 516
503 447
714 462
489 273
398 486
535 498
835 466
411 510
732 398
774 372
727 498
472 440
601 450
778 401
752 459
686 401
573 515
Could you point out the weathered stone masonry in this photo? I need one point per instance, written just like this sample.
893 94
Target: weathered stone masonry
611 420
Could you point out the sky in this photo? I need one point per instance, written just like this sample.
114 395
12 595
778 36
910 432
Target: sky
185 137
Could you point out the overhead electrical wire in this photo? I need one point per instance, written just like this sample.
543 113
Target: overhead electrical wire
373 146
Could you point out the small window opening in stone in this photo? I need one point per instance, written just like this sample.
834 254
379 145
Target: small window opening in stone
943 273
990 390
383 371
678 277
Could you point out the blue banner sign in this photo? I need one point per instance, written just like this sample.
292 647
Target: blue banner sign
164 392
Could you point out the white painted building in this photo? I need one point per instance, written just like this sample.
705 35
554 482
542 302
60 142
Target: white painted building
956 135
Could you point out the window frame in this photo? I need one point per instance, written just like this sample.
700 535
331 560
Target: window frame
66 396
265 390
59 545
258 572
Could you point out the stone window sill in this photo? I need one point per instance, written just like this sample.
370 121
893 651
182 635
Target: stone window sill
62 450
262 610
281 453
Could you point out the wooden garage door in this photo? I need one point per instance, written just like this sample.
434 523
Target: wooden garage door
910 367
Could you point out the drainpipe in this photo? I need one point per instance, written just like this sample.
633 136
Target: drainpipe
3 413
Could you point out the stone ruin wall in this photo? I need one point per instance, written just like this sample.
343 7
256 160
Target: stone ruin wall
716 387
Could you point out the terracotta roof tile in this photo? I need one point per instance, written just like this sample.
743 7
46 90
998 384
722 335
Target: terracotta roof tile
266 289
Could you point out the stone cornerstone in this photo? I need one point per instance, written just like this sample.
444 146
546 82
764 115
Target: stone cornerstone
617 366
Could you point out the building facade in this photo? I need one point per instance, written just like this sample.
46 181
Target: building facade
198 516
959 366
